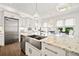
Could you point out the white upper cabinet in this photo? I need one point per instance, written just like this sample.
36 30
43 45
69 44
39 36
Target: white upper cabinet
60 23
70 22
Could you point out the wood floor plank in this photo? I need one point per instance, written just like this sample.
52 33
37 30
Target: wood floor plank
11 50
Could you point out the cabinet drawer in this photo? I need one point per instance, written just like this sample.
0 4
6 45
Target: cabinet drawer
49 53
56 50
72 54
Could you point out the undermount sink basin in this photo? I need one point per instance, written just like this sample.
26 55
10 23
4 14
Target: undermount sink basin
33 36
38 37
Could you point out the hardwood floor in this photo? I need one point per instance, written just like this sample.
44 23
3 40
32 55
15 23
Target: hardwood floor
11 50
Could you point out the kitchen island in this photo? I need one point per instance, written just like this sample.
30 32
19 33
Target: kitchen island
53 46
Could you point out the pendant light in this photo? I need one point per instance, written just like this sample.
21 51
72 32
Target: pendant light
36 15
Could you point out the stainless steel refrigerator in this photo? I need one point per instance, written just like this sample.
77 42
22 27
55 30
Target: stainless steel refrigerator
11 30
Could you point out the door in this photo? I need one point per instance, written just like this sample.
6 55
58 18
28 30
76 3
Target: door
11 28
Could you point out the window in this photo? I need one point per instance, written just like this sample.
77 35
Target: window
60 23
70 22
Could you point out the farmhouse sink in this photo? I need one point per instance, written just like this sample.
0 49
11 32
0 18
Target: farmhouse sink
35 40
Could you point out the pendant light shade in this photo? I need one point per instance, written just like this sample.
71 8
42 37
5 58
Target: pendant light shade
36 15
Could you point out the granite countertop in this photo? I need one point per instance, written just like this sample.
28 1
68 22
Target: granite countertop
70 45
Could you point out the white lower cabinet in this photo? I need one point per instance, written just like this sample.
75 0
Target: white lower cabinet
47 50
31 50
50 50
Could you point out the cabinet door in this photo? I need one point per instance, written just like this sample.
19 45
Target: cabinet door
1 40
31 50
49 53
27 48
54 50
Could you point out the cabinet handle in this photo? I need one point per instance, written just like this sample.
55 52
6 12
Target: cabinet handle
51 50
45 54
30 51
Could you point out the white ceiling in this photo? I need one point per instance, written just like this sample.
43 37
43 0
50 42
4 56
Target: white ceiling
43 9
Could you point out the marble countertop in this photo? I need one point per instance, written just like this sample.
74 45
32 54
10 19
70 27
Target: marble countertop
64 43
24 34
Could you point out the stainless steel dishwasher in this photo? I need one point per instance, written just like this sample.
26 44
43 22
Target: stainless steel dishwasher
11 29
